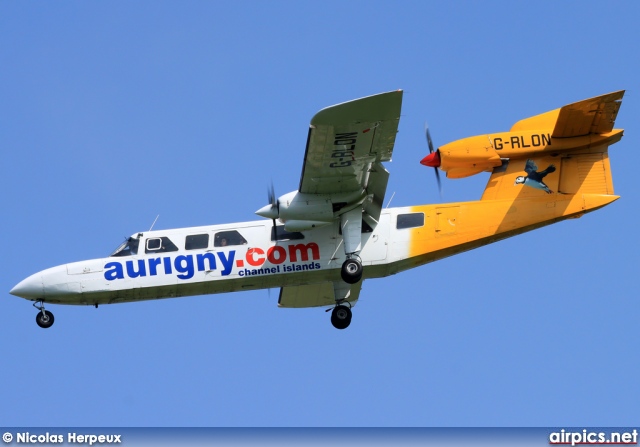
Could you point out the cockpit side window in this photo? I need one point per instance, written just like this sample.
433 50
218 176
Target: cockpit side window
224 238
160 245
127 248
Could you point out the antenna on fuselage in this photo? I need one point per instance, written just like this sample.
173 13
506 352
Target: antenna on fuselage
389 202
154 222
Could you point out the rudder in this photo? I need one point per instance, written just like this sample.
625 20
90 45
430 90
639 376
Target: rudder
583 172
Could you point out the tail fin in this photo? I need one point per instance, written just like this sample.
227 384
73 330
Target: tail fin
586 172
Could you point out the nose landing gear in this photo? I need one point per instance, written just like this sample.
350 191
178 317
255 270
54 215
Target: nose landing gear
44 318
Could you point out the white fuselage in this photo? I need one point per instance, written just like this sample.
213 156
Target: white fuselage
166 264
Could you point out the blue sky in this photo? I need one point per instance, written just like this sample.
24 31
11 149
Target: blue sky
114 112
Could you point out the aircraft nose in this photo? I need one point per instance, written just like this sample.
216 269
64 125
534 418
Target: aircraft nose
29 288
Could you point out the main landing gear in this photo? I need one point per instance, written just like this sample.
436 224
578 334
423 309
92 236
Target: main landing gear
44 318
341 316
351 225
351 271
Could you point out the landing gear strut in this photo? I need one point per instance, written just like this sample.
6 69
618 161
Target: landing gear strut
351 225
341 317
44 318
351 271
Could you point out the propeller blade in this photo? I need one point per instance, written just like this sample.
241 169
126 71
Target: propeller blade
275 205
272 210
433 159
271 195
429 140
439 184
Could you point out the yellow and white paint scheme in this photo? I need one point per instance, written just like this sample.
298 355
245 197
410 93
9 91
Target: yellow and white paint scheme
322 241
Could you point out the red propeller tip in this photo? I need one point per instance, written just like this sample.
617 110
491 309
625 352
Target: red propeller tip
432 160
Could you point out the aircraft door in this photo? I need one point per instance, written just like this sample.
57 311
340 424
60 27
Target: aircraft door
329 243
375 244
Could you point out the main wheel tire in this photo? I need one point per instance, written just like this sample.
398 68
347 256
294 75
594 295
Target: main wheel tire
351 271
341 317
46 320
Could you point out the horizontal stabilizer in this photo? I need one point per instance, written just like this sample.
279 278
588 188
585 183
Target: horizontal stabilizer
590 116
595 201
543 121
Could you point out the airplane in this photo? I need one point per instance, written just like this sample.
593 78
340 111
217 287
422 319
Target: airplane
321 242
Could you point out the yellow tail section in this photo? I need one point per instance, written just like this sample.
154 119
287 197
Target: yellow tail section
589 116
536 185
546 120
522 195
586 172
559 170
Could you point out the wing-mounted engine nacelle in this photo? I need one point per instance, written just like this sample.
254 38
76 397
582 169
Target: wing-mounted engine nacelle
300 211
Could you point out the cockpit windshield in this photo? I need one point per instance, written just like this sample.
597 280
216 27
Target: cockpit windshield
127 248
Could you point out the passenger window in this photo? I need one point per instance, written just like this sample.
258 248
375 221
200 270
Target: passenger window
278 233
225 238
196 241
127 248
160 245
410 220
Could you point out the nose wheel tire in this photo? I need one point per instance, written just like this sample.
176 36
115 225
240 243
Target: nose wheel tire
351 271
44 319
341 317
